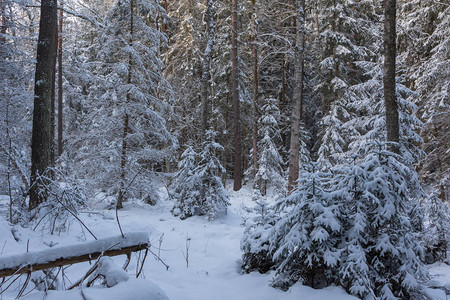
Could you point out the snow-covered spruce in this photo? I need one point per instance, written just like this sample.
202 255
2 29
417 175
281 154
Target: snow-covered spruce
370 120
305 240
185 188
436 229
255 241
379 208
335 135
200 190
122 133
357 229
270 173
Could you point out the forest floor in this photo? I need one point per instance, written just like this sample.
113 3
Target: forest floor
203 257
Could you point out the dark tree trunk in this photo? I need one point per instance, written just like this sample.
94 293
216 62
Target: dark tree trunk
283 85
255 91
3 25
297 95
41 140
126 129
206 66
236 105
60 83
165 19
392 122
53 118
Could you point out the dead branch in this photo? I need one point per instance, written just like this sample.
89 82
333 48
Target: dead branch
63 261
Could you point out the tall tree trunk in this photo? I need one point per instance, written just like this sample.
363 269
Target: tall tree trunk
206 66
41 136
392 122
297 94
255 89
53 118
283 84
123 156
60 83
165 18
236 105
2 25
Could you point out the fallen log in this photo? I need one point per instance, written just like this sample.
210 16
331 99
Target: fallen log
67 255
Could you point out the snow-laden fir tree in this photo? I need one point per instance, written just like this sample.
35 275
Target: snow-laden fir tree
255 242
270 173
436 228
185 188
354 268
424 45
370 121
17 46
335 136
185 61
305 240
345 33
201 191
213 195
381 252
126 136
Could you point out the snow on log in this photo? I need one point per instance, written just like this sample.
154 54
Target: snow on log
67 255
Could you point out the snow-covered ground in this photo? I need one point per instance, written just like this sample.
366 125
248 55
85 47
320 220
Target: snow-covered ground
203 257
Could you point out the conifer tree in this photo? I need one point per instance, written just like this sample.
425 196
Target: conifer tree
123 118
270 173
255 242
383 256
306 239
197 189
185 188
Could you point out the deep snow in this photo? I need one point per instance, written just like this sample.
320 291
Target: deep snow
203 257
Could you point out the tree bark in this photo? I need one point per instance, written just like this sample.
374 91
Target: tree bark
60 84
123 156
165 18
207 55
392 121
96 249
41 133
255 90
53 118
3 25
297 95
236 105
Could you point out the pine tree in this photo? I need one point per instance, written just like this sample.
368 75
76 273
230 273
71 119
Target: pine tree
237 170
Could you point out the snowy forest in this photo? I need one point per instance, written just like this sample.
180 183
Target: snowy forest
224 149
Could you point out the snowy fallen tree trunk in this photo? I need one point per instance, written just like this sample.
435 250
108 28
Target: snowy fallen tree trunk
67 255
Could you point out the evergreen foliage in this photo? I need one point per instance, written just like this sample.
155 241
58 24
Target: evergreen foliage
197 189
306 238
383 255
255 242
270 173
125 82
